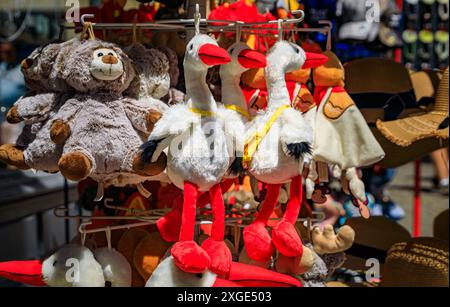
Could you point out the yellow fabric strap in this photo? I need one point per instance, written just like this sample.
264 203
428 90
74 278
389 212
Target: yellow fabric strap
238 109
202 112
251 145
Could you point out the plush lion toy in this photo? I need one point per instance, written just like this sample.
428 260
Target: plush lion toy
100 129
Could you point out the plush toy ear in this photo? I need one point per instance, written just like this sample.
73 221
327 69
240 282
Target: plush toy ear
299 75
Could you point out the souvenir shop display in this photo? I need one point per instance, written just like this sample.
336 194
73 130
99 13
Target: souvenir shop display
203 148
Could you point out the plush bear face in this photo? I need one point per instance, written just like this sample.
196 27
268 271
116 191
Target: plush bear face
106 65
37 67
97 66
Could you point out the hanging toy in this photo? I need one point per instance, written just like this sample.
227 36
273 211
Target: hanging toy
342 136
55 271
152 79
115 267
235 113
192 164
48 92
277 142
98 128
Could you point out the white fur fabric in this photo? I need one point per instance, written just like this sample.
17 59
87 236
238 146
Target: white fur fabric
192 155
271 162
116 268
346 141
87 272
167 274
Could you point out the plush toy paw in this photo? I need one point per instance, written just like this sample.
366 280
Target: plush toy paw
152 118
258 242
75 166
169 226
190 257
13 116
220 256
13 155
356 185
327 242
295 265
59 132
286 239
149 168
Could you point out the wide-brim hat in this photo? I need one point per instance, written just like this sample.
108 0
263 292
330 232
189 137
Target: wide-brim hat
381 88
425 84
385 92
373 239
419 262
433 124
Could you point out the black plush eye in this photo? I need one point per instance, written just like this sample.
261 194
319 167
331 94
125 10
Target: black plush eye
55 263
191 47
111 54
231 50
100 54
297 50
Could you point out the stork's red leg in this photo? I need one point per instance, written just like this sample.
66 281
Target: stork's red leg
258 242
284 235
188 256
170 224
205 198
216 248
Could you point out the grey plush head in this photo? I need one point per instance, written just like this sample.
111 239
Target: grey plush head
174 70
96 66
56 79
152 72
37 67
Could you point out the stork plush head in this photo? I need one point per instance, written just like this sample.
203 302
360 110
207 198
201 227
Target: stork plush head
243 58
202 52
292 57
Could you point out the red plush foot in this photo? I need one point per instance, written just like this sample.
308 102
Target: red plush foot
220 256
190 257
286 239
169 226
258 242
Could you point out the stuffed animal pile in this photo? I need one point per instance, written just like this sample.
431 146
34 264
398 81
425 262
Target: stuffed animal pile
95 110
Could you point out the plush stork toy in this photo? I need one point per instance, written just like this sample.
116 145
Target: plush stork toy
277 141
235 112
72 266
197 157
341 137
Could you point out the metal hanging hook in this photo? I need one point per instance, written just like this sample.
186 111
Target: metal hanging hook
197 19
84 16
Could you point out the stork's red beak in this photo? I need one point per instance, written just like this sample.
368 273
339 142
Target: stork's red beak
252 59
26 272
213 55
314 60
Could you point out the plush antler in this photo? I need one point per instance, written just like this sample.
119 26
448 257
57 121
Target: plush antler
328 242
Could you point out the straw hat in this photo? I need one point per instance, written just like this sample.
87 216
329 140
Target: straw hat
425 84
419 262
373 239
405 132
